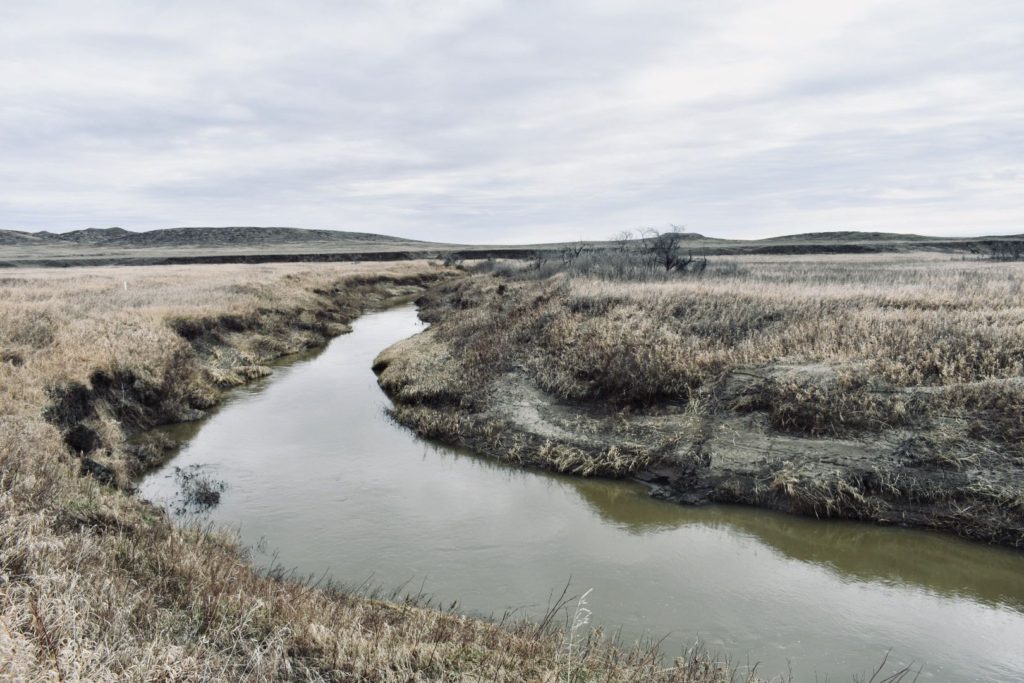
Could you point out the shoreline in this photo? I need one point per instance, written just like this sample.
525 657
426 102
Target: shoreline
99 585
728 450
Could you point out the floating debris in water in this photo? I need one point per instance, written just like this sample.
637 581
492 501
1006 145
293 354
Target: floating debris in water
197 490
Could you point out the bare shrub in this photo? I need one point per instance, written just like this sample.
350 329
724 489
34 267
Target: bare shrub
665 249
1009 250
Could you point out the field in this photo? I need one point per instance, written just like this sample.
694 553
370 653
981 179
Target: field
176 246
99 585
179 246
883 387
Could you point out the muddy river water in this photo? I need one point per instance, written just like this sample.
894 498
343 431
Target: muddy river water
316 473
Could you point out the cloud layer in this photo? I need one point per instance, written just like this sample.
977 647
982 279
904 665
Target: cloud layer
489 121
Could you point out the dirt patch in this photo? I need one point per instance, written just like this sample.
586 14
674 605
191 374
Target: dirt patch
198 490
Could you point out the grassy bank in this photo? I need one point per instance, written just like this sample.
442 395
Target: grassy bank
98 585
887 388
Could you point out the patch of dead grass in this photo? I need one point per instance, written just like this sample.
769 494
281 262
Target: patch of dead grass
97 585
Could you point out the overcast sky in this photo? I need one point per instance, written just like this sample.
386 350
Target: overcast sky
489 121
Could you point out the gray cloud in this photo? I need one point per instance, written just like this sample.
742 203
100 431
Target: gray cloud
514 121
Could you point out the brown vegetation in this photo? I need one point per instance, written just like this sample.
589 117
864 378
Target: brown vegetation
179 246
98 585
886 388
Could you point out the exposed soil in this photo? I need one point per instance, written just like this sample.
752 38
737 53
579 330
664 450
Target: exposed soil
223 351
727 450
198 490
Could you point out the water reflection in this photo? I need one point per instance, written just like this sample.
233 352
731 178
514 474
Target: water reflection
314 467
856 551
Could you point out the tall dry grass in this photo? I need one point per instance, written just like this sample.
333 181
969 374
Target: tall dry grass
921 355
97 585
886 323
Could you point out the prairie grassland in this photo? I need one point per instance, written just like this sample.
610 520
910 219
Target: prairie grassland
920 355
941 325
97 585
116 349
897 322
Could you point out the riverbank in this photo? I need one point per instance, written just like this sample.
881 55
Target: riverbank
99 585
877 388
314 471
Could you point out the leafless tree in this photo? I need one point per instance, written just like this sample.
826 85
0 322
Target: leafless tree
665 248
622 239
572 252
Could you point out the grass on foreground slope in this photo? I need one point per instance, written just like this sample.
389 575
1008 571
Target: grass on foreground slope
920 355
97 585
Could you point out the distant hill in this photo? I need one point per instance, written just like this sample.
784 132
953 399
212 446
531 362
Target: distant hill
14 238
197 237
107 246
847 236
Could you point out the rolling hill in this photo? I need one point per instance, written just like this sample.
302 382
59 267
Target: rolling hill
117 246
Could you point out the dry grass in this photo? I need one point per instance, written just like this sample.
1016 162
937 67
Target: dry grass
868 325
879 348
96 585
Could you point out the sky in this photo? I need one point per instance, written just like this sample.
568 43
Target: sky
482 121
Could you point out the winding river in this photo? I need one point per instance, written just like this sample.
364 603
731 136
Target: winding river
317 475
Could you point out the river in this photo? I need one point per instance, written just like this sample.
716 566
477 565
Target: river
317 476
